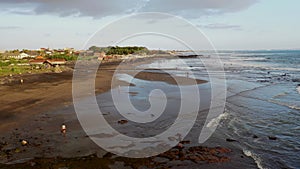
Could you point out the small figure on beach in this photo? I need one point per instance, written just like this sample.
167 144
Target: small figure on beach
63 129
24 142
21 81
179 145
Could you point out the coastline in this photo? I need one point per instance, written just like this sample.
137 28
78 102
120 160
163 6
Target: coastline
36 117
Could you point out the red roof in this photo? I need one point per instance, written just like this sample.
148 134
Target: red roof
51 61
54 60
37 60
39 57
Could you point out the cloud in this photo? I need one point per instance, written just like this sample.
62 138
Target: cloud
102 8
197 8
94 8
221 26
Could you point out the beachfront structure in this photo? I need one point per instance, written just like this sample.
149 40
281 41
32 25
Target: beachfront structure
100 55
55 62
46 62
37 62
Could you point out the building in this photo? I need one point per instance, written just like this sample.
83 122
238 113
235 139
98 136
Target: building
55 62
48 52
37 62
48 62
20 56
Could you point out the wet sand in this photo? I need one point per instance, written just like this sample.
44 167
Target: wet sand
35 110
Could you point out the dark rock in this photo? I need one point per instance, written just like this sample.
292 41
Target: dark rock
231 140
272 138
123 121
212 159
194 158
224 159
196 154
181 156
185 142
106 113
222 150
284 74
188 56
296 80
254 136
108 155
160 160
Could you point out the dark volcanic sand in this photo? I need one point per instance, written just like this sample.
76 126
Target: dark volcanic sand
30 111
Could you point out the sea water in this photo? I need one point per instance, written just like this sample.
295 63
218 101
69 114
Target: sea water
263 101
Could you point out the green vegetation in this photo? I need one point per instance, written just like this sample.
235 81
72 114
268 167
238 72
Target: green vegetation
99 49
16 66
63 56
13 70
13 66
11 62
120 50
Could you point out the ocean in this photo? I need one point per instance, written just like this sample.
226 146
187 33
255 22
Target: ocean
263 102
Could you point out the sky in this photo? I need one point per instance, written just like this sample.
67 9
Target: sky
227 24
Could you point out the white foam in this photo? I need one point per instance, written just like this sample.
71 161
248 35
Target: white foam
296 107
125 77
240 62
215 121
257 160
173 64
298 89
280 95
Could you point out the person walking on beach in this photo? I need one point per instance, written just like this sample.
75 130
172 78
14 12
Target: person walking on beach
63 129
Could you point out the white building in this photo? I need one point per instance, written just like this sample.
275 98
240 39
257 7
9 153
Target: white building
20 56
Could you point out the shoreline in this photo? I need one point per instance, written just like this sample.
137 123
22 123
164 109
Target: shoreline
40 113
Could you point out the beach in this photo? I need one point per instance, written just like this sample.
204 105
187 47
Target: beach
35 110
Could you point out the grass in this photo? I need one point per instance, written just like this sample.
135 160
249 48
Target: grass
15 69
12 67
